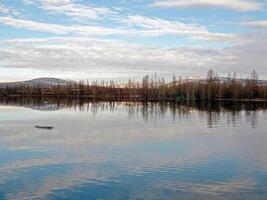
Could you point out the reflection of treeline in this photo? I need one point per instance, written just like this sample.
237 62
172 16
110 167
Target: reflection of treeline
42 103
152 89
212 111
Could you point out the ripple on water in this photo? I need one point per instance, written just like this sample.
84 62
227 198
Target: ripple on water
132 153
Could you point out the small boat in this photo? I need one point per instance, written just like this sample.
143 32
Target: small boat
44 127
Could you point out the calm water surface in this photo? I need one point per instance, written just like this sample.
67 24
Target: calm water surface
132 151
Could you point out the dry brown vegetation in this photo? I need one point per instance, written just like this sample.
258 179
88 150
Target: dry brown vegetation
152 88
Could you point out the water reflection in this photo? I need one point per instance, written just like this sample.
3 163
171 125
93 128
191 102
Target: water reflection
124 150
149 110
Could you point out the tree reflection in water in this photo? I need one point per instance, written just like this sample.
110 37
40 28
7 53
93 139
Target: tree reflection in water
151 110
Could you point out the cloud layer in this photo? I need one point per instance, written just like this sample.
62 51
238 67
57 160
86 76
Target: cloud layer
137 26
257 23
104 41
114 59
59 29
237 5
72 9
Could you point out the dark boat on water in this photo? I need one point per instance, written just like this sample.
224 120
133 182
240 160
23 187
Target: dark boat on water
44 127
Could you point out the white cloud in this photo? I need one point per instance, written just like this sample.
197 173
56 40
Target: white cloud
138 26
151 27
7 11
4 9
257 24
59 29
96 59
237 5
72 9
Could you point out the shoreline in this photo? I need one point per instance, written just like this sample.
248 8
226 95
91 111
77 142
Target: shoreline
131 99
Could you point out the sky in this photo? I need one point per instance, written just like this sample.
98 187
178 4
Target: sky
123 39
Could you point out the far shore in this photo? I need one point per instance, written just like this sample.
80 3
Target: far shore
132 99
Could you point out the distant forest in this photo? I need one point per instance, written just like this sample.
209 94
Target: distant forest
152 88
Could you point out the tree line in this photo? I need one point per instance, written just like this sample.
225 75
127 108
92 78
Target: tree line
152 88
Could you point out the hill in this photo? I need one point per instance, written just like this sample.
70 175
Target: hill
45 81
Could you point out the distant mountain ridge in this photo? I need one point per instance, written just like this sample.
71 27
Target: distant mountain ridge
44 81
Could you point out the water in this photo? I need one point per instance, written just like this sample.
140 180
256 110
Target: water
132 151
